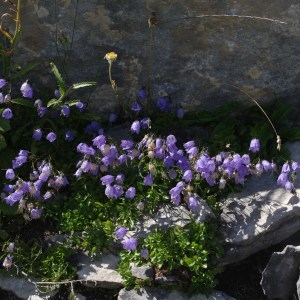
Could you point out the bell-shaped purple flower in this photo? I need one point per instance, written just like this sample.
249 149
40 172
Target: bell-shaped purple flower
187 176
2 83
99 141
130 193
65 110
135 127
26 90
69 136
142 93
126 144
193 204
144 254
136 106
51 137
37 134
254 145
107 179
120 233
163 103
282 179
36 213
7 114
130 244
148 181
10 174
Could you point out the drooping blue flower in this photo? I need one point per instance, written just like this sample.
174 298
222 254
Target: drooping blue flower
36 213
135 127
37 134
163 103
130 244
107 179
14 197
120 178
193 203
80 106
38 103
69 136
85 149
145 123
26 90
42 111
148 181
19 160
286 168
10 174
7 114
187 176
120 233
1 98
65 110
126 144
171 140
142 93
57 93
188 145
254 145
130 193
51 137
282 179
144 254
99 141
136 106
289 186
2 83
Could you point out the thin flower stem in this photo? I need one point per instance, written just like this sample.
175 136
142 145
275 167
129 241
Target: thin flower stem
237 16
278 140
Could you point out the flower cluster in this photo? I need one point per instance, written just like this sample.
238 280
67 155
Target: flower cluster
7 263
129 244
43 183
288 175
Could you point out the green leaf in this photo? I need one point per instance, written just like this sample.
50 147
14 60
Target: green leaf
83 84
7 209
2 142
60 82
54 102
4 125
24 70
23 102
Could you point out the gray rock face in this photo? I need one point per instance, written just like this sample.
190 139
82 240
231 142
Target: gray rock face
158 294
197 47
281 273
260 216
100 272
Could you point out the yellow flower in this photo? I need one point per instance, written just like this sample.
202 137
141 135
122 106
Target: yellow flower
111 57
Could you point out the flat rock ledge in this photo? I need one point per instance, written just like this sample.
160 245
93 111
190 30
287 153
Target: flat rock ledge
259 216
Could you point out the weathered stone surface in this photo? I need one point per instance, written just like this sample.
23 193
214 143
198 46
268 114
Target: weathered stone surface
158 294
100 272
22 288
192 57
143 272
260 216
280 276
